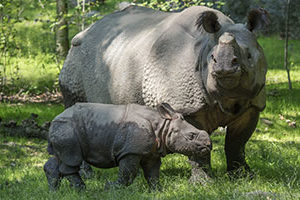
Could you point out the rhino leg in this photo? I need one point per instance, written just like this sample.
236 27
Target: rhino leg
238 133
151 172
76 181
201 169
128 168
86 170
52 173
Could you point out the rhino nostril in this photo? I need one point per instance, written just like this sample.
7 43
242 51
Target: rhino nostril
234 62
213 58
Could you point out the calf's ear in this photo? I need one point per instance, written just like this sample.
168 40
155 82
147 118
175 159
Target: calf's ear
209 21
165 111
258 19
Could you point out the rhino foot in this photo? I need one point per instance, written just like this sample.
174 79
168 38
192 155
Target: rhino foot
241 172
154 187
200 176
201 170
52 173
86 171
76 181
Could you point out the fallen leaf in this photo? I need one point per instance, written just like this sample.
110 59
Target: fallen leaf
292 124
281 117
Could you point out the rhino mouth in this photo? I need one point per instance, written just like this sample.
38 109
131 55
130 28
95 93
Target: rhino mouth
204 150
228 81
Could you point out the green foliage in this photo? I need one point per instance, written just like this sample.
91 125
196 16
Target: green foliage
36 74
276 58
8 18
22 38
177 5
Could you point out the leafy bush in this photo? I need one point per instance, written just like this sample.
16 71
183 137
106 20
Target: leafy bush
178 5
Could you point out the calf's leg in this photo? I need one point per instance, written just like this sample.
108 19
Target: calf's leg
71 173
76 181
128 168
151 168
51 169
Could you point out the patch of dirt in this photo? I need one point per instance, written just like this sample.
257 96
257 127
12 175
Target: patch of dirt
28 128
21 97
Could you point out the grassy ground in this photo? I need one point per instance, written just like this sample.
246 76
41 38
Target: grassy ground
272 152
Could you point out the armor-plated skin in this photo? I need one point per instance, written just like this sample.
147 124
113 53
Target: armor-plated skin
199 61
127 136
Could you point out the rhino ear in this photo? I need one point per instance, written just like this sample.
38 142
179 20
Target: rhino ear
209 21
258 19
166 111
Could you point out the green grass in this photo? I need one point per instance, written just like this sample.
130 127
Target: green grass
20 111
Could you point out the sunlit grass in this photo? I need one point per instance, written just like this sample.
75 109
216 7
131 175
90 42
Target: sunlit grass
32 74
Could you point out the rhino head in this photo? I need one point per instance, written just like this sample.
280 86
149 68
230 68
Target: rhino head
181 137
235 65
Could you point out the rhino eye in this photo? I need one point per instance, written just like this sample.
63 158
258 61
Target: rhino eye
249 56
190 136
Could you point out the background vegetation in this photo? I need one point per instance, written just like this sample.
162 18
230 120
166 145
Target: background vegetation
29 66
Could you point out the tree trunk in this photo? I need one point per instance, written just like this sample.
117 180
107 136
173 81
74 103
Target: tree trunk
62 32
287 42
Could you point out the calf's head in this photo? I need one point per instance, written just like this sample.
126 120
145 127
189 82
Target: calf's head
234 66
182 137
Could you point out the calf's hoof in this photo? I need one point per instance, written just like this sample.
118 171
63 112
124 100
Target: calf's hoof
52 174
86 171
76 182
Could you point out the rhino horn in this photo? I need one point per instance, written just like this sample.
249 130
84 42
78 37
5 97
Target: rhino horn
209 21
258 19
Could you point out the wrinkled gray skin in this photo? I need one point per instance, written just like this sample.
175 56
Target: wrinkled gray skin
127 136
199 61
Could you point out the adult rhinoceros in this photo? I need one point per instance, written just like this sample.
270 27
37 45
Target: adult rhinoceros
198 60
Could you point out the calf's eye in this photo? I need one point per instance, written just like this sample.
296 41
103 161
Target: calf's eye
249 56
191 136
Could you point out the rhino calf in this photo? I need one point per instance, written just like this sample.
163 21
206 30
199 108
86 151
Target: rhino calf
127 136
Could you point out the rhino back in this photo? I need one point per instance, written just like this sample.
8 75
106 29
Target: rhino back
106 50
107 133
